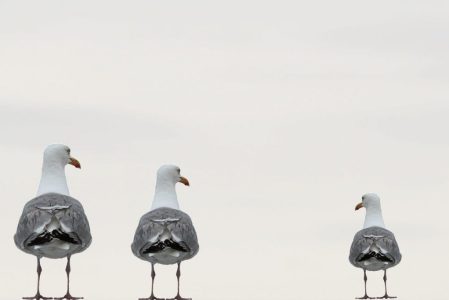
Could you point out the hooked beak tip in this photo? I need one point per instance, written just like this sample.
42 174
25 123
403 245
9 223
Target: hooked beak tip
74 162
184 181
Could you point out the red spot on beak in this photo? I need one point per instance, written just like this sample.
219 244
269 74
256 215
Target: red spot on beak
359 206
74 162
184 181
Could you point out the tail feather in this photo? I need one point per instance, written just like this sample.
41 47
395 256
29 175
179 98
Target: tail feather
374 254
46 237
161 245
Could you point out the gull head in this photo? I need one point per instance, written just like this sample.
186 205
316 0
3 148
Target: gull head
369 200
58 154
171 174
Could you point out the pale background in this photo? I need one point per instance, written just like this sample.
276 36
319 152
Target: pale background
280 113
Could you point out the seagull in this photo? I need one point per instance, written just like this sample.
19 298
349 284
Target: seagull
53 224
165 234
374 247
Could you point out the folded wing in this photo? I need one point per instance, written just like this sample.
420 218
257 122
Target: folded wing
53 217
374 248
166 236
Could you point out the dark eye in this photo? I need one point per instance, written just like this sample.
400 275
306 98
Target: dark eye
68 150
178 170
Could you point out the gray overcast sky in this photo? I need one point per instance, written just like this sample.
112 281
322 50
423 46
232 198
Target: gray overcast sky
280 113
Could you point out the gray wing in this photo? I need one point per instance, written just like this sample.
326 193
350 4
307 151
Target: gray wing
152 226
376 242
39 212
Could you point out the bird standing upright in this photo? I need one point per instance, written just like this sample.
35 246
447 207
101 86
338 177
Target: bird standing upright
165 234
53 224
374 248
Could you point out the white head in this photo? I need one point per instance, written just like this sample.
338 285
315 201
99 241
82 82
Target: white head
171 174
373 215
165 195
369 201
59 155
53 180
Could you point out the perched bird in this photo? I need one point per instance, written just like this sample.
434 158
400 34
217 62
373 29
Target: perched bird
165 235
374 247
53 224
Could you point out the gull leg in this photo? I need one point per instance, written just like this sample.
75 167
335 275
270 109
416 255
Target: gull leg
38 295
365 278
385 282
152 297
178 274
67 296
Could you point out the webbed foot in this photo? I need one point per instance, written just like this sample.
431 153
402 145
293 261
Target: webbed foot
178 297
152 297
68 297
366 297
386 296
38 296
